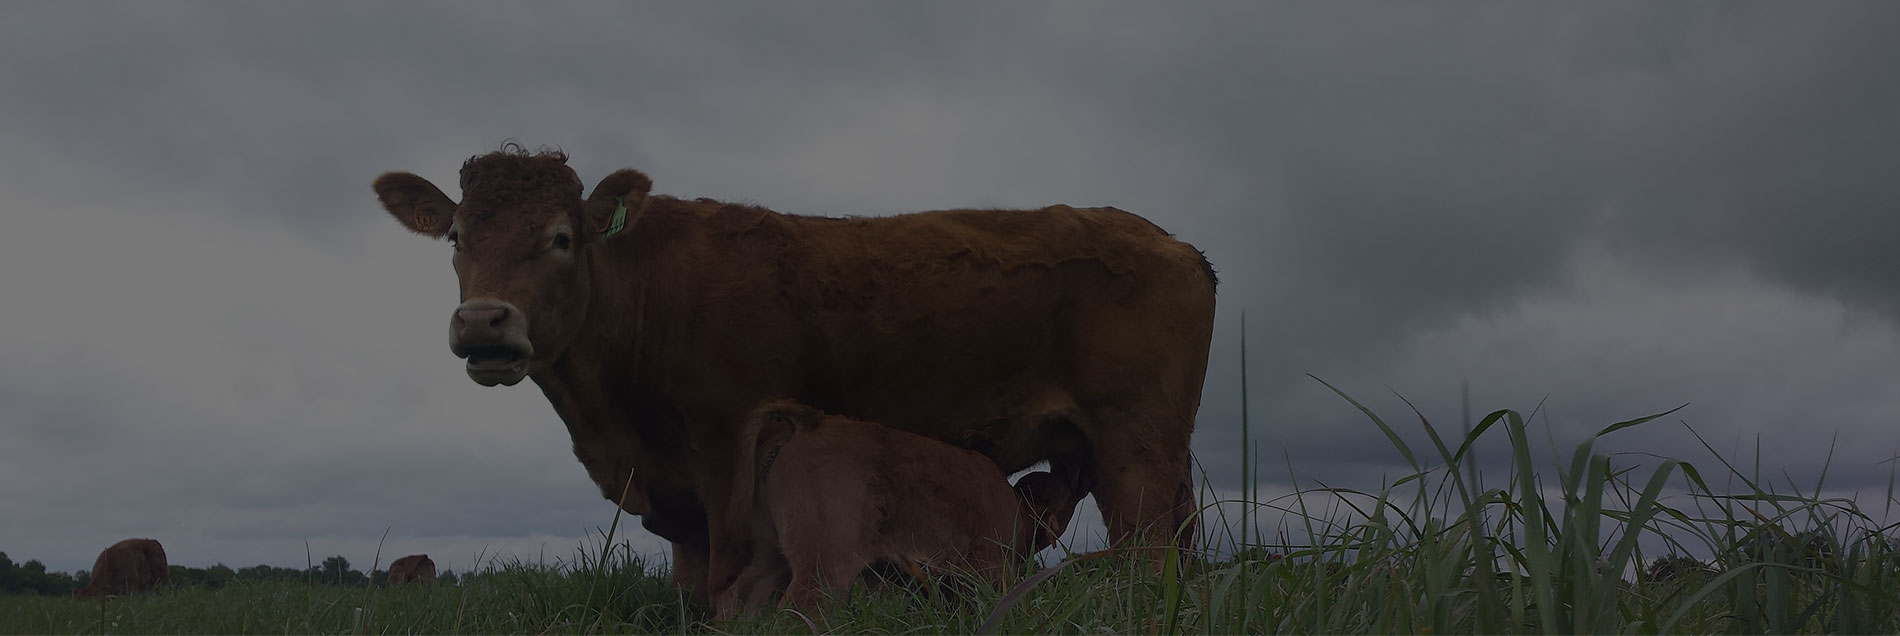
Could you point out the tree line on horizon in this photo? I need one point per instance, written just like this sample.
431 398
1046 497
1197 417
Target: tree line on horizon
32 578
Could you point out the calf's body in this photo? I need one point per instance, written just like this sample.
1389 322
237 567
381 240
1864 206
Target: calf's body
827 496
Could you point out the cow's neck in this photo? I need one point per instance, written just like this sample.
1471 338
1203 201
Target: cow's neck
589 384
610 415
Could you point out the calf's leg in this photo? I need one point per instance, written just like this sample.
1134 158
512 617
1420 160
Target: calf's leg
813 578
756 582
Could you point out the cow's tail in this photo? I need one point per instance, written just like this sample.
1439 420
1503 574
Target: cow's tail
1207 267
765 430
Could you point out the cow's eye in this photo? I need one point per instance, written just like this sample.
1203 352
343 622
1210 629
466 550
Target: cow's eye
455 240
562 241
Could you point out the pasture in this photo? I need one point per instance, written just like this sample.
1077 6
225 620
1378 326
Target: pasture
1446 549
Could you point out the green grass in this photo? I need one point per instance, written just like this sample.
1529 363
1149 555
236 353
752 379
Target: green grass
1441 550
509 597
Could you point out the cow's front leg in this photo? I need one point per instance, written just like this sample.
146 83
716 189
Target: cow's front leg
728 555
689 568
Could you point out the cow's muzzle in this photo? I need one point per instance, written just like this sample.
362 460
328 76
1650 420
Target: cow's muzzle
493 337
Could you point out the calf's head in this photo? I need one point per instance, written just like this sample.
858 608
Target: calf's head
522 237
1046 498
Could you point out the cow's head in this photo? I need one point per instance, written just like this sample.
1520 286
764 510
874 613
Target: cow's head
1047 498
521 235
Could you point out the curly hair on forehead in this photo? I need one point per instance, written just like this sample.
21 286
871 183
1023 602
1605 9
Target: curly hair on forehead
513 167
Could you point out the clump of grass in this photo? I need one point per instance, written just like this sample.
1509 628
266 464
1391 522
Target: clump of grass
1442 549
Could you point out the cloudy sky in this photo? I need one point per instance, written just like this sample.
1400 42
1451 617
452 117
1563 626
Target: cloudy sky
215 337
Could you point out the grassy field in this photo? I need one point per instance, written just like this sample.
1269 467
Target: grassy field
1439 551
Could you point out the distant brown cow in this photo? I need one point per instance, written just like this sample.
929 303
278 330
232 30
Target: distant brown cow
828 496
415 568
129 566
653 324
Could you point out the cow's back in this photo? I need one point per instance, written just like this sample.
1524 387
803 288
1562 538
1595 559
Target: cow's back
934 320
907 267
925 321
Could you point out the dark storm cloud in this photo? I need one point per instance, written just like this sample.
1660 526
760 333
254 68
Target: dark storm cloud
205 385
1412 168
205 482
286 111
1770 138
263 111
1810 388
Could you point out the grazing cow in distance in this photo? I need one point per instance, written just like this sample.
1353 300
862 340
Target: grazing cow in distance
415 568
829 495
129 566
653 324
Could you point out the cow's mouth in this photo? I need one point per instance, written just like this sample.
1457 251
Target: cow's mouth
499 364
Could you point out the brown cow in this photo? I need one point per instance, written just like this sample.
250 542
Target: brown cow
829 495
415 568
654 324
129 566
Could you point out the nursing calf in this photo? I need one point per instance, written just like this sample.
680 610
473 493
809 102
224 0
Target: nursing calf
827 496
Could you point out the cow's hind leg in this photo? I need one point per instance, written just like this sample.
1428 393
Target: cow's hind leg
1143 484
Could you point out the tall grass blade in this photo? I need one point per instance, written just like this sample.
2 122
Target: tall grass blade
1397 442
1249 485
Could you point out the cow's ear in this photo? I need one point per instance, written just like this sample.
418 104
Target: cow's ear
1053 507
416 203
617 202
1054 521
1045 537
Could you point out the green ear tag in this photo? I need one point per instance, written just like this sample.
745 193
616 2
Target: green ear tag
619 220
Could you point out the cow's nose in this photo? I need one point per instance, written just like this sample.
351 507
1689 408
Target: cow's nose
481 321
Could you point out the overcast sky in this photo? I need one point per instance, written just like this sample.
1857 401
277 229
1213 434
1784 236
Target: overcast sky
215 337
